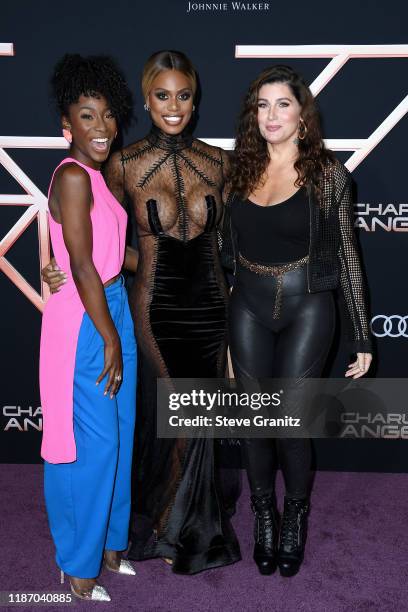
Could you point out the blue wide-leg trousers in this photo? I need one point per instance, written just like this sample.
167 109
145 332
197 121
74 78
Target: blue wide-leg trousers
88 500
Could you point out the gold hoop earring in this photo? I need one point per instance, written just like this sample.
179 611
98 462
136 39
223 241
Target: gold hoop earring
302 130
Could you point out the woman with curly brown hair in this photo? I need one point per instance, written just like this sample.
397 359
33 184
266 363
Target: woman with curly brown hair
290 219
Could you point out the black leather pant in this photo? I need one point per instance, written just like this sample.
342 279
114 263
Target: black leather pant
295 345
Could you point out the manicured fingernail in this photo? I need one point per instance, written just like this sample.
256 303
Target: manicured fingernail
64 280
96 383
106 393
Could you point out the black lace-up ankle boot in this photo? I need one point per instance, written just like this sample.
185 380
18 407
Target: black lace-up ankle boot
265 533
292 535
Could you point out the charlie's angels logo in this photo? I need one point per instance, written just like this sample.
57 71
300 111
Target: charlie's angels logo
36 201
387 217
18 418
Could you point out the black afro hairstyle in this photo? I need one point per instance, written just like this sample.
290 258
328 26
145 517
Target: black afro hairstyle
92 76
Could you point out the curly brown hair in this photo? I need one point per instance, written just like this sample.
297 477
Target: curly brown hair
251 157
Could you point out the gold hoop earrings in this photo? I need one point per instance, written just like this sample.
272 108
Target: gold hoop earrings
302 130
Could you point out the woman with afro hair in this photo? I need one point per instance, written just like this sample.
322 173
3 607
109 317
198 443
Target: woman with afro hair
174 183
88 349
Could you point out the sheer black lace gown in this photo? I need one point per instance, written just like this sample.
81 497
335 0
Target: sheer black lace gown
179 306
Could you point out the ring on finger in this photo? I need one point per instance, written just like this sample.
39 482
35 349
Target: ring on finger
118 377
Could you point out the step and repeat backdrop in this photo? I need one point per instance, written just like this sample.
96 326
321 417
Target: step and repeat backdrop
355 60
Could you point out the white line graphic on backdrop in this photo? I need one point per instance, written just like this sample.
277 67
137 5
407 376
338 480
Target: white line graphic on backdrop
37 201
6 49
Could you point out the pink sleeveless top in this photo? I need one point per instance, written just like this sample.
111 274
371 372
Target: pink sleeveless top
63 314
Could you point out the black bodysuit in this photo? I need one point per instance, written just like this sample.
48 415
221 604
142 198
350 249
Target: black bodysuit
179 306
277 233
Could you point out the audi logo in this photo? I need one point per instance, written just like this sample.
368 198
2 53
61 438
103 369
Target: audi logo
393 326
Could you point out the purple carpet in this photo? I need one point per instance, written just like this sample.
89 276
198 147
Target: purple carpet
356 557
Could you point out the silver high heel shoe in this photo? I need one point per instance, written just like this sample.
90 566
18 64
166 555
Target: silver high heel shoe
97 593
125 568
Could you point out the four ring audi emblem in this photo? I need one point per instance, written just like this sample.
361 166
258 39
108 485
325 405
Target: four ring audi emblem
393 326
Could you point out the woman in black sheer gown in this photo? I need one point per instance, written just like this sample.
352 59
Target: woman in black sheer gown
179 303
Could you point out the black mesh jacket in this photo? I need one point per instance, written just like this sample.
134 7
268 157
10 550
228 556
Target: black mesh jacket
334 260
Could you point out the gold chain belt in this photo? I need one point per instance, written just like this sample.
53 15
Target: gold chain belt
276 271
